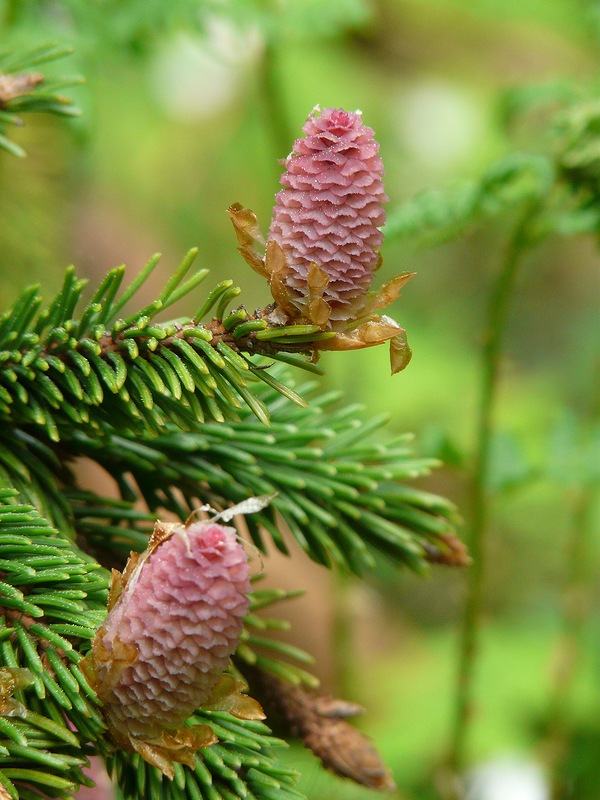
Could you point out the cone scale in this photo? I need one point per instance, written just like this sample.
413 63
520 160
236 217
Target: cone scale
330 212
175 618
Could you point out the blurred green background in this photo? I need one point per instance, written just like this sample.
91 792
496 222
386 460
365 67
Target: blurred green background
186 108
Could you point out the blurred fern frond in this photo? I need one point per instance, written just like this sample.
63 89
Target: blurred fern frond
442 214
561 175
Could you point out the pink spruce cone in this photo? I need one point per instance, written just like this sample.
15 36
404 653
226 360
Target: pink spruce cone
330 210
182 614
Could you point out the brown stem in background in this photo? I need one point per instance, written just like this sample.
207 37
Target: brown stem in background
321 723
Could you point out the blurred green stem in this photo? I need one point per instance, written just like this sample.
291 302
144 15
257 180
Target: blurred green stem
578 598
497 314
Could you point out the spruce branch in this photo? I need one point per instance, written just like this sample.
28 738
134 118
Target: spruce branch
23 90
338 488
293 705
64 373
32 467
52 598
259 648
188 415
242 765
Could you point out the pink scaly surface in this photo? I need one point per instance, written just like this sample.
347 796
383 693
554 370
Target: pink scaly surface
330 209
183 614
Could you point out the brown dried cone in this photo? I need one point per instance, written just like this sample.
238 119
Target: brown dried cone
321 723
452 553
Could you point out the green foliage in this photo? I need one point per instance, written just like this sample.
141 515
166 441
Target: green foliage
578 766
179 414
131 371
573 453
53 598
23 91
133 24
563 177
254 644
440 214
192 411
288 20
336 487
139 26
241 765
